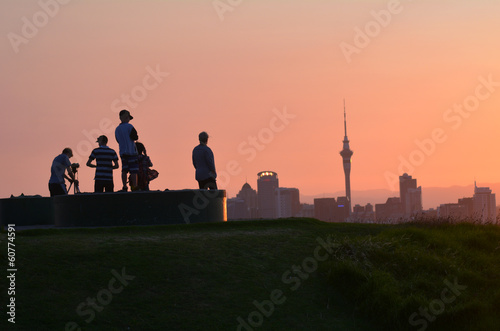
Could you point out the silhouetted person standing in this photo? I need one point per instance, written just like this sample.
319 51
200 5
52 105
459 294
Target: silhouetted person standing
203 161
106 160
60 165
125 135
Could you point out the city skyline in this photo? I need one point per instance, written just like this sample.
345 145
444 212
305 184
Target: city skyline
271 201
432 196
266 80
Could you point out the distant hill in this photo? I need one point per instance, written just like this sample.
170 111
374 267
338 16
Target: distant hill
432 197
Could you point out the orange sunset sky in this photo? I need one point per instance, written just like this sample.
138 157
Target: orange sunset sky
265 79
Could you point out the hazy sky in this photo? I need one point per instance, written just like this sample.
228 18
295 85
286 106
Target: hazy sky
265 79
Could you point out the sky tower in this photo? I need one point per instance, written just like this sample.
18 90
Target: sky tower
346 154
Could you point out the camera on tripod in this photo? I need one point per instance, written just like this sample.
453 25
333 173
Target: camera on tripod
74 167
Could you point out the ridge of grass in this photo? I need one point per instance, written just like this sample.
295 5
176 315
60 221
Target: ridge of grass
212 276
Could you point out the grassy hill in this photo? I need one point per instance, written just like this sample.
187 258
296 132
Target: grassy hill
294 274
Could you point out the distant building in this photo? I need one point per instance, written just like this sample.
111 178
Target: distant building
324 209
237 209
364 214
430 214
249 195
484 204
410 196
306 210
287 202
468 206
329 210
267 183
462 210
452 210
390 211
342 211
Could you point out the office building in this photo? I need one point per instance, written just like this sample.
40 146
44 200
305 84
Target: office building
287 202
249 195
484 208
237 209
390 211
306 210
363 214
329 210
461 211
267 183
454 211
324 209
410 196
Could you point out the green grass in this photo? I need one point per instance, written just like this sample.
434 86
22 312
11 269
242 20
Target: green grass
206 276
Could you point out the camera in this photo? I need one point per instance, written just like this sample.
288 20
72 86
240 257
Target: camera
75 166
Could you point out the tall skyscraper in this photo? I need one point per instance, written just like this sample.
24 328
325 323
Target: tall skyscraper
484 204
410 195
346 154
267 183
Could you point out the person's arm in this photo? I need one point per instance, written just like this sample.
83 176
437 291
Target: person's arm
71 177
115 164
133 134
89 163
211 163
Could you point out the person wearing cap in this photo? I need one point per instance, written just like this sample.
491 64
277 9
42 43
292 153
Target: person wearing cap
106 161
126 135
203 161
60 165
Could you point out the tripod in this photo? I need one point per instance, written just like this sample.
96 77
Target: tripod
76 188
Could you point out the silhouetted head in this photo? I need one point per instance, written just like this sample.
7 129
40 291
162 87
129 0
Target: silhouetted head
102 140
125 116
203 137
68 152
140 148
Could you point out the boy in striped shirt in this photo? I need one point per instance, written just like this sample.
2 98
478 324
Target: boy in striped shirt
106 161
